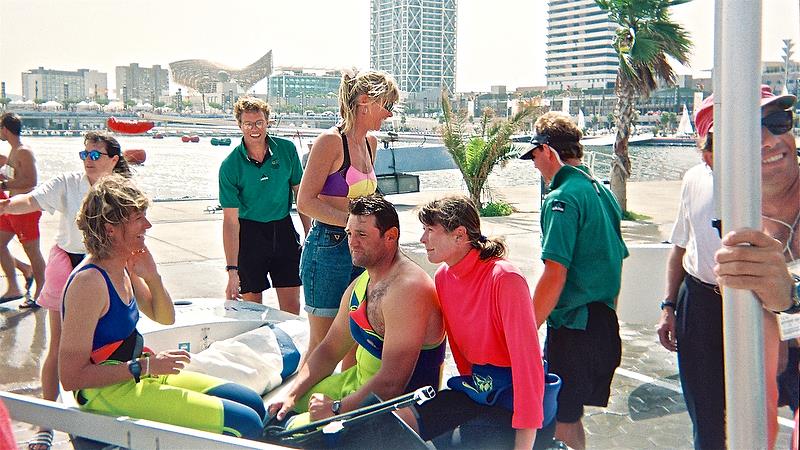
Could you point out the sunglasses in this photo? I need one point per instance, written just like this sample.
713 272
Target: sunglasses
94 155
388 106
779 122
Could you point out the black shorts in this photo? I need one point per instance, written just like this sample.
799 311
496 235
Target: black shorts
268 248
585 360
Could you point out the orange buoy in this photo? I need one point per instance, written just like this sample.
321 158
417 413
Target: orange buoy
134 155
185 138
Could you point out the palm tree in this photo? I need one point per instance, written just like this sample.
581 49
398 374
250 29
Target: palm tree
477 154
645 38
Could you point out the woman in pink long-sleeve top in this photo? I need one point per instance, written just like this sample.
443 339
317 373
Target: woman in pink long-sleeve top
486 304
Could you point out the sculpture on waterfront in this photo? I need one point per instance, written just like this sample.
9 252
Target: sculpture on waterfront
202 75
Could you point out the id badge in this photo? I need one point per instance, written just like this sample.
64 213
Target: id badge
790 323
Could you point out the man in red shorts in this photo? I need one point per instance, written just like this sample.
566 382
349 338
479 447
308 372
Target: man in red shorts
18 176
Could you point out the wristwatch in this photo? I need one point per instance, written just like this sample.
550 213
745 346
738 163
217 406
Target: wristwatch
229 268
335 407
794 308
668 304
135 368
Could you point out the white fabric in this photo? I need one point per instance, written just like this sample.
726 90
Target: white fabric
252 359
64 194
692 229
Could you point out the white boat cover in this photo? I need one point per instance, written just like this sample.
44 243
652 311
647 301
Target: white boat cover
260 359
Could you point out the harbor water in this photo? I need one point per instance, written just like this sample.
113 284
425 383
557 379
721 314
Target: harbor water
177 170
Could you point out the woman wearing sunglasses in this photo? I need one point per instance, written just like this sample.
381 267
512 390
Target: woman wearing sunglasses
340 168
64 193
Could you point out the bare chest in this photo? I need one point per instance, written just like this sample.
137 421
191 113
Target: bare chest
376 293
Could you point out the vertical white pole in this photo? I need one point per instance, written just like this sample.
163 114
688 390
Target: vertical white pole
738 160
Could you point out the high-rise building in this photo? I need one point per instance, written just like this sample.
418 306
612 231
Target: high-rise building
142 83
415 41
579 46
47 84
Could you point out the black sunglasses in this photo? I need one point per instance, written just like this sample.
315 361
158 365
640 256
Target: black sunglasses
389 106
778 122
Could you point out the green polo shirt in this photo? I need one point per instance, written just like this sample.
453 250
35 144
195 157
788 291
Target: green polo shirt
263 194
581 230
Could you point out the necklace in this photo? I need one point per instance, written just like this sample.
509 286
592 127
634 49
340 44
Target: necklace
788 246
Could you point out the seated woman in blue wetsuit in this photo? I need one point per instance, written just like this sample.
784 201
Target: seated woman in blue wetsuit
101 356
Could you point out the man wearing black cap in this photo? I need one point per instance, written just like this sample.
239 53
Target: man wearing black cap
582 250
691 318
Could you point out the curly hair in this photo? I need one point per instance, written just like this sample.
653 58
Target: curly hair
455 211
375 84
112 148
111 200
564 135
250 104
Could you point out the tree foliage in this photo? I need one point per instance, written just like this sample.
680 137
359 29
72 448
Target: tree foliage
476 154
644 40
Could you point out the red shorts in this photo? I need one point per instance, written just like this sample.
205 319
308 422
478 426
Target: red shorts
25 226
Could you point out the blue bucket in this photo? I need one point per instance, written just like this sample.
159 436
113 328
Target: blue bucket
552 384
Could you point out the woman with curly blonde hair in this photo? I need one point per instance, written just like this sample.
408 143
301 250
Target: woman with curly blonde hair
102 358
340 168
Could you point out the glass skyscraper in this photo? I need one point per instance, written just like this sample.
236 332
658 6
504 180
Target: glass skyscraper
415 41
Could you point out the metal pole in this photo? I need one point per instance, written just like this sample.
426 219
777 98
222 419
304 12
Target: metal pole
739 160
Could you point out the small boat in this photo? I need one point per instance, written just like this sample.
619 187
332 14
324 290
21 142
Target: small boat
200 325
134 155
185 138
220 141
129 126
194 138
158 136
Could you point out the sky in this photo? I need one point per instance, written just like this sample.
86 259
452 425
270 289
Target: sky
500 42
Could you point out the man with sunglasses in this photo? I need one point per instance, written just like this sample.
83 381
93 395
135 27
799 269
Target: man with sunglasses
256 184
582 250
691 318
19 177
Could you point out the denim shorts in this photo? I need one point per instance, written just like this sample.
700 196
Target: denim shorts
326 269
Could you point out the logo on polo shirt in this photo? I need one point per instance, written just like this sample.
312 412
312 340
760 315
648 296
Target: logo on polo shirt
559 206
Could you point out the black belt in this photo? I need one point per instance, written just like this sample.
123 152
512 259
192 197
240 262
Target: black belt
702 283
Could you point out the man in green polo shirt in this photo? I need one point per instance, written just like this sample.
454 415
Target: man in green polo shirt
256 184
582 250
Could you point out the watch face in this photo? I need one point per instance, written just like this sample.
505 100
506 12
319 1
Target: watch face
335 406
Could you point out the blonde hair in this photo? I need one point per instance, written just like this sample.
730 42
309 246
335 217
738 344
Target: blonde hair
455 211
250 104
111 200
375 84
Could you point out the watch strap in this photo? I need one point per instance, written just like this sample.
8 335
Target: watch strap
668 303
794 308
229 268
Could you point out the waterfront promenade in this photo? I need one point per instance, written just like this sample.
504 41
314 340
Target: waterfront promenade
646 409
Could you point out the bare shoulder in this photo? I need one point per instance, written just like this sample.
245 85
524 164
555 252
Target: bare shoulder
23 152
411 278
87 292
328 138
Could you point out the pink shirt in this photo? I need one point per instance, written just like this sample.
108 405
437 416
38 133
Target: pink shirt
488 314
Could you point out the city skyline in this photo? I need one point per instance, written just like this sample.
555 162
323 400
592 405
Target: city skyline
499 43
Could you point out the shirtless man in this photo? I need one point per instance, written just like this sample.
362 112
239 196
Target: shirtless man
19 177
396 322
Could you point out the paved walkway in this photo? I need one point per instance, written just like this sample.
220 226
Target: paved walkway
646 409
